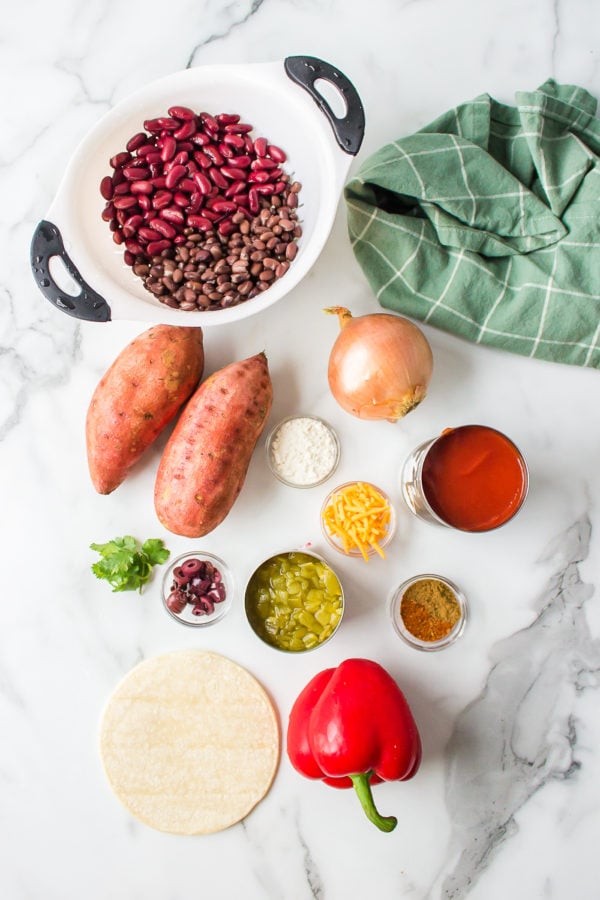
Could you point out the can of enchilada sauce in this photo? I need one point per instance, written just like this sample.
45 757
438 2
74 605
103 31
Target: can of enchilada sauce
472 478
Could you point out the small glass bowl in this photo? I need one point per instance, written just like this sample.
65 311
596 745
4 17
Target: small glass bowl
318 478
406 635
251 603
187 616
337 543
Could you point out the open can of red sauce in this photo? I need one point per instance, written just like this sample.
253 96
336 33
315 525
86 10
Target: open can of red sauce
472 478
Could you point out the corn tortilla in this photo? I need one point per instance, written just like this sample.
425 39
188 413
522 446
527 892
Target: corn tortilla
190 742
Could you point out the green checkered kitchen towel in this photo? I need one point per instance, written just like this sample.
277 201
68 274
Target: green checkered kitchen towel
486 224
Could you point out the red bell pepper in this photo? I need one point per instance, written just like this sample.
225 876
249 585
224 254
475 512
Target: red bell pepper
352 727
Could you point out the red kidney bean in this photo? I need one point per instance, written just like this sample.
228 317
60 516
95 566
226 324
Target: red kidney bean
259 176
156 247
213 154
137 141
148 234
131 225
108 212
141 187
153 126
241 162
121 188
233 173
235 141
223 206
107 187
227 118
253 200
264 162
209 122
260 146
172 214
159 182
225 150
239 128
277 153
118 237
162 199
169 149
202 159
186 130
187 185
203 184
234 188
126 201
180 159
119 160
181 112
175 176
163 228
145 149
201 222
167 123
196 201
264 190
180 199
200 139
144 202
134 246
226 227
217 178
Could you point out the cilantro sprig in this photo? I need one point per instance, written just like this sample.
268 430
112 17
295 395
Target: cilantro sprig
125 564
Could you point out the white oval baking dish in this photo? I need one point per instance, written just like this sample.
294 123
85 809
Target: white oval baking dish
283 100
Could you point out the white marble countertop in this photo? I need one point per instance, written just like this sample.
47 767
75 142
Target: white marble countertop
507 800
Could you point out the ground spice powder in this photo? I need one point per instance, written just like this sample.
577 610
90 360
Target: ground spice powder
429 609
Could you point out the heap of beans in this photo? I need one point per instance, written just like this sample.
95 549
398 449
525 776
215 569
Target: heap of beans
196 582
205 212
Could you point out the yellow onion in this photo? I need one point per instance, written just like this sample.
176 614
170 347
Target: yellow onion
380 365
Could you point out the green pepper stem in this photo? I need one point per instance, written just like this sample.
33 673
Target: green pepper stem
362 786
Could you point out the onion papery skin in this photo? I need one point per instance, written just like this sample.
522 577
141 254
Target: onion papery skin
380 365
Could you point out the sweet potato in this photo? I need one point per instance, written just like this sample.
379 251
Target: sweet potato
138 396
205 461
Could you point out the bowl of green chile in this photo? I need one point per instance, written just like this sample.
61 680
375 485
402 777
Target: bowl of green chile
294 601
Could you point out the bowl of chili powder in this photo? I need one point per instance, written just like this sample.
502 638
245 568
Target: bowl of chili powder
429 612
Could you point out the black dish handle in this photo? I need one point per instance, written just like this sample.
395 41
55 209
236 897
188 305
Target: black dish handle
47 242
349 130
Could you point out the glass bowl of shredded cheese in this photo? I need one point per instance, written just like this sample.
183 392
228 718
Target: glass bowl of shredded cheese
358 519
303 451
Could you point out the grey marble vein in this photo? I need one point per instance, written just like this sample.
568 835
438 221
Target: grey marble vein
229 17
521 732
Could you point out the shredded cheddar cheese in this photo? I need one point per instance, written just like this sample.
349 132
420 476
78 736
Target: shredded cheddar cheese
359 517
